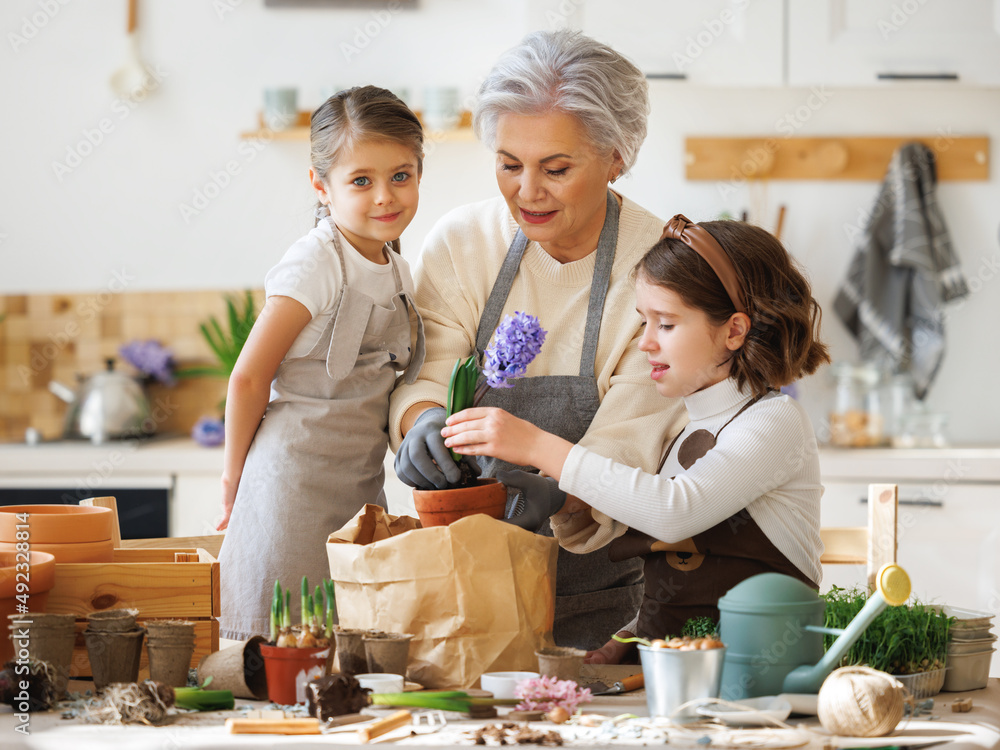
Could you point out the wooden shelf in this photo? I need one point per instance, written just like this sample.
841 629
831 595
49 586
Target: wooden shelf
829 158
300 131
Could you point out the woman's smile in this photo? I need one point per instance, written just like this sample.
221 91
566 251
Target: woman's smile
536 217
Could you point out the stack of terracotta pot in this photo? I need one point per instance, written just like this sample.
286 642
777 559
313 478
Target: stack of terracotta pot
70 533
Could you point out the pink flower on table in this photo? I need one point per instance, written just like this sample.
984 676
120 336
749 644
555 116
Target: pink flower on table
545 693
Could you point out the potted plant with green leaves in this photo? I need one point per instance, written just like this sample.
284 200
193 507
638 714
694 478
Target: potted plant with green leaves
516 342
909 642
295 655
226 343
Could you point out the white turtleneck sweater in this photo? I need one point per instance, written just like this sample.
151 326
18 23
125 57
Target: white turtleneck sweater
765 460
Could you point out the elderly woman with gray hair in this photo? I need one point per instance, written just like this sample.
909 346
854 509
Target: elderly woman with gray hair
566 116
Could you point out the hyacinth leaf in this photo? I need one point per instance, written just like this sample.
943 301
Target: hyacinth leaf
452 384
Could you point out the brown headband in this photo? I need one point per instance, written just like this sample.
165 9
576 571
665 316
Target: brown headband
698 239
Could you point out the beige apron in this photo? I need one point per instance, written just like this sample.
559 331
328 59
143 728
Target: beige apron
318 454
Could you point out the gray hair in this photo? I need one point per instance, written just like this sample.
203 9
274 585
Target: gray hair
570 72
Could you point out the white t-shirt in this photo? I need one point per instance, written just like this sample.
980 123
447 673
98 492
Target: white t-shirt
309 273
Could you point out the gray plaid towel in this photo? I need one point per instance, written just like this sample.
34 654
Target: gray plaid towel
903 272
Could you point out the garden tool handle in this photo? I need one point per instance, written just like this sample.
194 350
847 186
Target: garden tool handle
273 726
380 727
633 682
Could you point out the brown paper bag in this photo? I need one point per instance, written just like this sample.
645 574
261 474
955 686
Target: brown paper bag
479 595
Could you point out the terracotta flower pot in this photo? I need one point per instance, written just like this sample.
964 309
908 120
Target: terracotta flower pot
72 552
42 576
57 524
71 533
289 670
444 507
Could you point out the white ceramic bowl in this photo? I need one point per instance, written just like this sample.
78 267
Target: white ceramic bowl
380 682
502 684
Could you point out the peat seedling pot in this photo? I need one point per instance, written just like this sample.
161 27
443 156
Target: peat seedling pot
114 655
560 662
444 507
169 644
42 567
50 638
350 647
290 669
238 668
387 653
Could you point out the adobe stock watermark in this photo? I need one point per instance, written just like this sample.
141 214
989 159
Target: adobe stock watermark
223 8
713 28
787 125
84 312
899 17
219 179
366 32
33 24
94 137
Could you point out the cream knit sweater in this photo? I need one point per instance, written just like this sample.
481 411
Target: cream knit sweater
454 276
765 460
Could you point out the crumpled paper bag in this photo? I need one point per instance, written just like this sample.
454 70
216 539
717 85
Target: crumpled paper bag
478 595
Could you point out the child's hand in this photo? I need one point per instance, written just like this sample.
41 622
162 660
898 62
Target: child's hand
487 431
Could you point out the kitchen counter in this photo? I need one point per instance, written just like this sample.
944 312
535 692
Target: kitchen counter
958 464
178 454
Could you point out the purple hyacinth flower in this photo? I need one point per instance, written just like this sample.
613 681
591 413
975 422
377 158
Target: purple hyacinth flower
150 358
209 432
517 341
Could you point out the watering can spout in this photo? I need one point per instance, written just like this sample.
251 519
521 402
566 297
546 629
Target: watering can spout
892 587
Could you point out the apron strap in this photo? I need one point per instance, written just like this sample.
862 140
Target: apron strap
743 408
601 281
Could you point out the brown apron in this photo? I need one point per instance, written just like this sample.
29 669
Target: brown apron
687 578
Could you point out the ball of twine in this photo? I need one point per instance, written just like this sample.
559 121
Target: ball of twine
860 702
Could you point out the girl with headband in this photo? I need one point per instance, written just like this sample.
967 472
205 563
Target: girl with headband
727 320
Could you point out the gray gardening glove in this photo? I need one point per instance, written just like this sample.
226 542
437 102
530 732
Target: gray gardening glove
421 448
540 498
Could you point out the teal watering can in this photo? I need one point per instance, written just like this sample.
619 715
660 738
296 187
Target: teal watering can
772 626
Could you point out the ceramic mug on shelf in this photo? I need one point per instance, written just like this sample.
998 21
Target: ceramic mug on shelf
442 109
281 108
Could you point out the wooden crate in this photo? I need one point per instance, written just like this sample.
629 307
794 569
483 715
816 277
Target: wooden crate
164 584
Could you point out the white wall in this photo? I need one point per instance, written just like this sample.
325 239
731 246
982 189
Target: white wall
120 208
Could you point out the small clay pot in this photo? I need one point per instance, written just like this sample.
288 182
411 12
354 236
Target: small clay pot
350 650
290 669
560 662
239 668
43 576
49 638
72 552
112 620
444 507
114 656
387 653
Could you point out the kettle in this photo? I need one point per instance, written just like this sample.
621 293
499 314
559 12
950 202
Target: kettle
772 626
107 406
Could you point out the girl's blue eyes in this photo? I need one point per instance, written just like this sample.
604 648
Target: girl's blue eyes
365 182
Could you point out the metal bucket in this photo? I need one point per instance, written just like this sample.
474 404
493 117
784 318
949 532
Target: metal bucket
674 677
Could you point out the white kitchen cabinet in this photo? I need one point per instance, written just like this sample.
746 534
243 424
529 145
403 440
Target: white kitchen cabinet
714 42
872 42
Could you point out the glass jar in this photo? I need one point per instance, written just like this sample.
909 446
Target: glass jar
856 419
922 429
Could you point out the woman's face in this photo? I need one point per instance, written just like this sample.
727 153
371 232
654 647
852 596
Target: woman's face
554 181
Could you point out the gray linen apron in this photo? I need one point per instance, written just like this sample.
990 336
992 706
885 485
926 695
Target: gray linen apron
318 454
594 596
